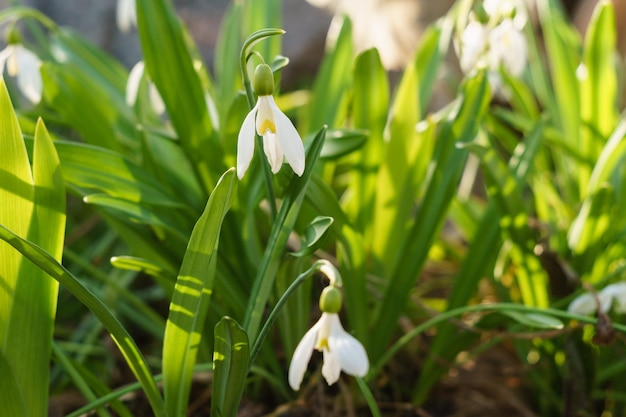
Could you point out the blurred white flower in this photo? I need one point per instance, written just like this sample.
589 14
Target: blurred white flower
613 295
132 89
507 9
342 352
25 66
507 47
126 15
496 43
472 47
280 138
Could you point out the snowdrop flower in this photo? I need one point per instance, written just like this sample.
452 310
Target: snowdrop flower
24 65
280 138
613 295
126 15
494 41
342 352
132 89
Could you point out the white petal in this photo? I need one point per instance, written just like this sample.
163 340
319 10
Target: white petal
301 357
5 54
616 292
331 368
472 45
583 304
272 151
265 115
132 85
348 351
29 76
245 143
508 47
126 15
155 99
289 139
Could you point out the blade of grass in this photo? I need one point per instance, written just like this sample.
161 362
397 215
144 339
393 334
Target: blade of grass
282 227
119 334
448 164
165 40
192 295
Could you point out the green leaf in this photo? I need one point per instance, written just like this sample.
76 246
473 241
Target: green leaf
192 295
341 142
28 337
282 227
447 167
11 398
137 212
314 235
89 108
563 45
92 169
230 367
120 336
599 87
16 203
408 152
535 320
171 61
328 95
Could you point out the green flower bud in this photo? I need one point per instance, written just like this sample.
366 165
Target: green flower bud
12 35
330 300
263 81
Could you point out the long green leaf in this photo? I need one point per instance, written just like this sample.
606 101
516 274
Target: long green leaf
599 84
230 367
120 335
170 58
29 333
11 397
92 169
16 211
192 295
328 98
449 160
407 154
283 225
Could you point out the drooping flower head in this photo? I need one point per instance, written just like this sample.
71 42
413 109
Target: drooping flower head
611 296
24 65
341 351
132 89
126 15
281 140
492 39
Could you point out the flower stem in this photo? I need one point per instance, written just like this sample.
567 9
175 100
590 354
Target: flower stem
369 397
279 305
267 173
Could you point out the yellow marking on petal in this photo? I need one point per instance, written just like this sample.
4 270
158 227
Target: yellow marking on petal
322 344
266 125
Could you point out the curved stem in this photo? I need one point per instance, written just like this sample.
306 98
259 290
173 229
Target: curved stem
279 305
20 12
247 85
473 309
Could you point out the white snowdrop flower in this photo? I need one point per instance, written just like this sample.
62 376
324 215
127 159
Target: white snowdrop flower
617 294
25 66
472 46
613 295
342 352
280 138
132 89
495 42
126 15
507 47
